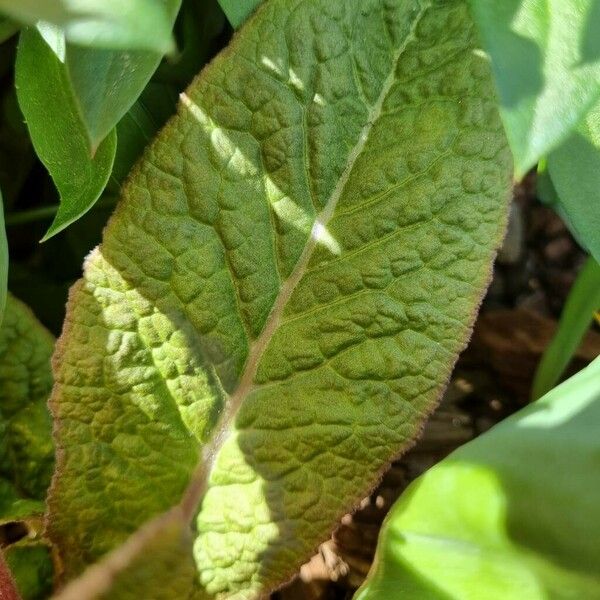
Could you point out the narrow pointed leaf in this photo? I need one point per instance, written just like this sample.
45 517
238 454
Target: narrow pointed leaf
513 514
546 62
577 316
546 193
57 131
279 298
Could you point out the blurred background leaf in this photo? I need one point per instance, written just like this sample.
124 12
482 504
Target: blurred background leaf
106 83
199 32
56 129
16 152
577 316
139 126
7 28
547 68
115 24
513 514
238 11
574 169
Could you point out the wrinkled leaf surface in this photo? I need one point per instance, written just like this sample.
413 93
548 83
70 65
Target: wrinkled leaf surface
280 295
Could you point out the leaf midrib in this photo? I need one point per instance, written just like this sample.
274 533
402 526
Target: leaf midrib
199 481
95 582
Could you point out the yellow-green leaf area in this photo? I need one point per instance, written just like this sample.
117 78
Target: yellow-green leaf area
283 289
26 451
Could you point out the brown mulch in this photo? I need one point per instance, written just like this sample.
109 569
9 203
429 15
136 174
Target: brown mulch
535 270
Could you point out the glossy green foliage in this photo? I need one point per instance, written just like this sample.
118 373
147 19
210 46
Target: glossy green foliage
106 82
546 61
514 514
57 131
116 24
238 11
574 169
81 96
279 298
577 316
26 452
199 24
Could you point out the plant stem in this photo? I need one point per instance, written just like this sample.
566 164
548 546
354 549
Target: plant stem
47 212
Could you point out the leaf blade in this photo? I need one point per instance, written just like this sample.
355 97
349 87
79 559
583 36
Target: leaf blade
104 24
274 256
107 82
547 75
57 133
31 566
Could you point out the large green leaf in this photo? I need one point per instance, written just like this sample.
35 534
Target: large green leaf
546 61
58 133
237 11
514 514
26 450
574 169
279 298
116 24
